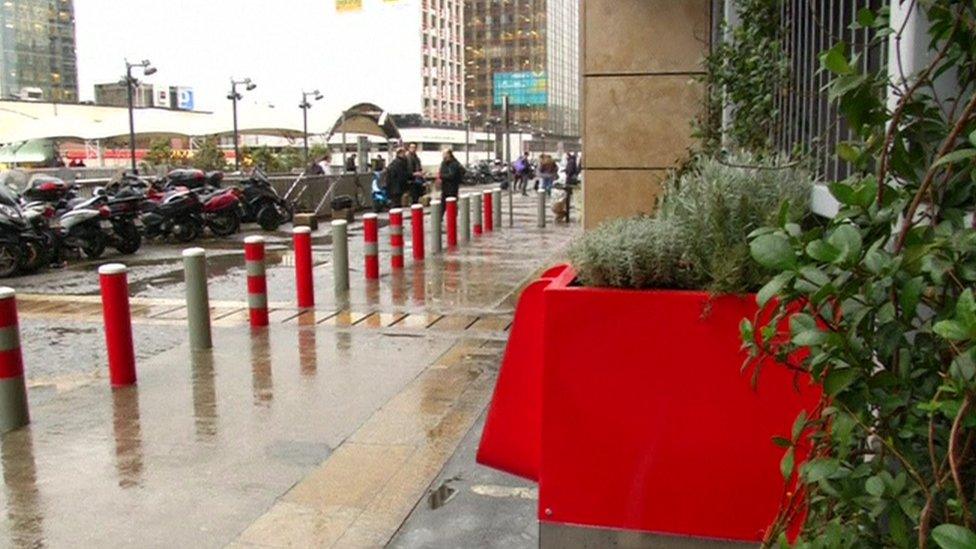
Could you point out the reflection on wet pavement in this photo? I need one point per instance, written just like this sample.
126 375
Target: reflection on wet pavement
24 514
262 384
307 356
204 394
127 430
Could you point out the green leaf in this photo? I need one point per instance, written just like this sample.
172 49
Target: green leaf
875 486
819 469
835 61
972 138
843 192
847 239
786 464
865 17
951 330
773 251
822 251
772 288
955 156
782 442
966 310
951 536
809 338
799 424
838 380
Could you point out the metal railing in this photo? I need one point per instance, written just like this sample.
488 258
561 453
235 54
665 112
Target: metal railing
807 121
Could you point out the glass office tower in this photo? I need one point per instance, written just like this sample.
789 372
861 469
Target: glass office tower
528 50
37 50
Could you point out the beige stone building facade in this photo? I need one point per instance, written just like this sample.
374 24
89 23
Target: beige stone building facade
642 60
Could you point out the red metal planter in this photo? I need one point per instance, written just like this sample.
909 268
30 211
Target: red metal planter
647 421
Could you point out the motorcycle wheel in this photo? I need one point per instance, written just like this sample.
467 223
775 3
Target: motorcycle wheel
94 246
225 224
268 218
33 257
9 259
129 239
187 231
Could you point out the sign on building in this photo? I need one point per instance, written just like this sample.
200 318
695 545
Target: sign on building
349 5
522 88
184 98
161 97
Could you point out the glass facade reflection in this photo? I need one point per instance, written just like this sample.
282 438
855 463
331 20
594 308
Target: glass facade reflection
37 50
518 46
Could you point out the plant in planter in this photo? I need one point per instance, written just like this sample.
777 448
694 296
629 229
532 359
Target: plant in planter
888 319
647 422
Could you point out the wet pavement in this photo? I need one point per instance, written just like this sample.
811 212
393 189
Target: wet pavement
327 429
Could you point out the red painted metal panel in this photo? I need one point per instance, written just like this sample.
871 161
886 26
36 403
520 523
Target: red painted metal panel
512 438
649 423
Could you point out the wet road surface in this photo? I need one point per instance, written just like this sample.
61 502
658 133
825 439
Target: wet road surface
326 429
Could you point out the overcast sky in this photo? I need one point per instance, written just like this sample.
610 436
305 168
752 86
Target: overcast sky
202 43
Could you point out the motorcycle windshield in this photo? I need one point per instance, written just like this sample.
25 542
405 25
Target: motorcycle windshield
8 197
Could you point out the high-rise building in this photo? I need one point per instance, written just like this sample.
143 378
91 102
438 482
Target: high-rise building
528 50
37 50
403 55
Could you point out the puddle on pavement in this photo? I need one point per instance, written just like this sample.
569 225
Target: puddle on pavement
127 431
203 378
262 383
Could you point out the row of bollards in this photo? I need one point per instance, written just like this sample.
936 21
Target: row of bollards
461 222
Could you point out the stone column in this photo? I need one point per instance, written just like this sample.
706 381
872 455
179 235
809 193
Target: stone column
641 62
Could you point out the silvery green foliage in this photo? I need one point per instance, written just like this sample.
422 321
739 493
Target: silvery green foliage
698 238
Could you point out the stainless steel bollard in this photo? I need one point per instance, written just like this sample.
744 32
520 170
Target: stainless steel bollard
435 226
476 204
340 255
197 298
496 212
542 208
464 204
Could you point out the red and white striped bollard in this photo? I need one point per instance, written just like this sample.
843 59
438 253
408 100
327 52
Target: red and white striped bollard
14 411
257 282
396 239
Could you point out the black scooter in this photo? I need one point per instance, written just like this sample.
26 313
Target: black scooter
261 203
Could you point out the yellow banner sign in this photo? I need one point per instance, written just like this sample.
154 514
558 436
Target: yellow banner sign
349 5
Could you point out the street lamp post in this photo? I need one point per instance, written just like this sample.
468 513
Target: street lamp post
234 97
305 106
130 83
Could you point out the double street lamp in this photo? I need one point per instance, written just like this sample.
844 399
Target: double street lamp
130 84
234 96
316 95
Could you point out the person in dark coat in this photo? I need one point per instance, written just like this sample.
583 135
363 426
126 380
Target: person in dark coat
351 163
451 175
416 174
398 178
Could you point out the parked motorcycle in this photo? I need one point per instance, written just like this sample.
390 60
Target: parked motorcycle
21 247
262 204
221 211
192 179
178 214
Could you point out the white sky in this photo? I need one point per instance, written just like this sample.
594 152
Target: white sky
280 44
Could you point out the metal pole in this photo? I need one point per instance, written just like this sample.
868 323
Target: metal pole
197 298
237 152
467 143
435 226
340 255
542 208
343 141
132 121
464 203
508 164
305 126
496 213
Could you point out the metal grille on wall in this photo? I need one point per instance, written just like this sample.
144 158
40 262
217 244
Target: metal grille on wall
807 121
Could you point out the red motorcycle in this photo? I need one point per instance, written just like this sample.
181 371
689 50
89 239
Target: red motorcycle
221 211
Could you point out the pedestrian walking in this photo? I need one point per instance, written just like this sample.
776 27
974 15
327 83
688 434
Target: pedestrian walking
351 163
451 175
321 166
416 170
398 178
548 172
573 166
520 168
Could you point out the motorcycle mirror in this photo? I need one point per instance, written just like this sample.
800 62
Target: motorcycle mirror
99 191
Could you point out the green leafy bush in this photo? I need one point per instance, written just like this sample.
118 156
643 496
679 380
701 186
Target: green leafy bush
698 240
